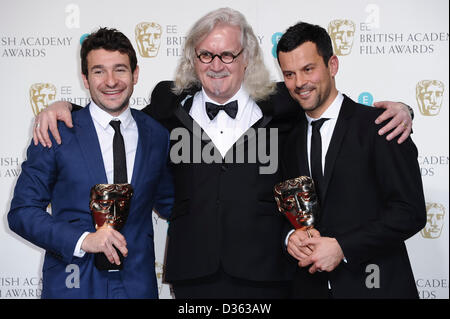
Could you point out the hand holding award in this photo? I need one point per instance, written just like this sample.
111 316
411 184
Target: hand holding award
109 204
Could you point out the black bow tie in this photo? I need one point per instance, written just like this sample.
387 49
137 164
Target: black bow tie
230 108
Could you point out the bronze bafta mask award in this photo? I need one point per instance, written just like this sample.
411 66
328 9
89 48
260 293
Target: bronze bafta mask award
297 200
110 205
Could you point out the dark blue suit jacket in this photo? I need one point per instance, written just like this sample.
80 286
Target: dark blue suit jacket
63 176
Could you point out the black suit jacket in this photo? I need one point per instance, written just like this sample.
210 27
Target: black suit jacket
224 213
372 202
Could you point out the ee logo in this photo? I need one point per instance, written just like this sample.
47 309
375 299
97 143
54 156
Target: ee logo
365 98
275 38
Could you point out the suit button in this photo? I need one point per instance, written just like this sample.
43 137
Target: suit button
223 168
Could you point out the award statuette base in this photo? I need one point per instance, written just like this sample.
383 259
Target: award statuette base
102 263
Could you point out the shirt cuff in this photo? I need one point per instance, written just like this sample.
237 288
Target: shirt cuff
78 251
287 237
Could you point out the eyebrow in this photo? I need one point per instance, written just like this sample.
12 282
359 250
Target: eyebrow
206 51
312 64
101 66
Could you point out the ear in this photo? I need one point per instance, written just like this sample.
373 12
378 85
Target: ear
85 81
333 65
136 75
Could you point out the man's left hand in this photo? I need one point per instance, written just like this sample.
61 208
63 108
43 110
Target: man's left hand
326 255
401 122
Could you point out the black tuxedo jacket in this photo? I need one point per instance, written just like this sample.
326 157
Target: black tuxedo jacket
372 202
224 213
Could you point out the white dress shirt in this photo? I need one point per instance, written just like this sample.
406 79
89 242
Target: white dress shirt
105 134
326 131
223 130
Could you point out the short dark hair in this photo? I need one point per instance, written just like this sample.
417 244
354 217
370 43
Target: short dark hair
110 40
303 32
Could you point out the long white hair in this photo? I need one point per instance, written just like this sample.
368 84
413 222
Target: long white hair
256 79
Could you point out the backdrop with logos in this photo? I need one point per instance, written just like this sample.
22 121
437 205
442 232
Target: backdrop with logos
388 50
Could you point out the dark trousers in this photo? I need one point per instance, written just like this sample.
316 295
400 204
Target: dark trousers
116 289
223 286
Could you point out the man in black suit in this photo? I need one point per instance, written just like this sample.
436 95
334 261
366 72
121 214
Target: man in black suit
369 189
224 233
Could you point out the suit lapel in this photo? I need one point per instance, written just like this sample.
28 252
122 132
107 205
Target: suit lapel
294 154
89 145
267 111
302 150
339 132
182 113
265 107
143 151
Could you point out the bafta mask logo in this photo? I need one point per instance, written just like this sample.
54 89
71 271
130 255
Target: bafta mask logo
435 221
342 33
148 38
41 95
429 95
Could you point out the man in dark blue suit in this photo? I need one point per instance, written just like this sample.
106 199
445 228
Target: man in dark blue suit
63 176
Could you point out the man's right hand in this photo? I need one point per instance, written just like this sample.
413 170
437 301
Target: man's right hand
103 241
47 119
295 247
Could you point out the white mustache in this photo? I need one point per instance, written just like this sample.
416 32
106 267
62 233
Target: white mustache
217 75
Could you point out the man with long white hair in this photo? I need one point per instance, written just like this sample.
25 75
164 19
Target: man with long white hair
224 236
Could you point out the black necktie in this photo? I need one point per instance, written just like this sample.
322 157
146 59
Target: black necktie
230 108
120 161
316 155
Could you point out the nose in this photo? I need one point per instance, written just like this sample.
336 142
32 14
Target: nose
151 40
111 79
433 98
345 37
300 80
433 221
216 64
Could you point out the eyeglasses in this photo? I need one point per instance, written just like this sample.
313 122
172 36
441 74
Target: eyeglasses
226 57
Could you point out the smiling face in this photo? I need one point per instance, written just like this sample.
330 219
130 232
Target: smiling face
309 81
110 80
219 80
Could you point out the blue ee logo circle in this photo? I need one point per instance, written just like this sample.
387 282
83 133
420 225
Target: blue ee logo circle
84 36
275 38
365 98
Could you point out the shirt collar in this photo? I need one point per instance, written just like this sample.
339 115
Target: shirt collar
103 118
332 112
